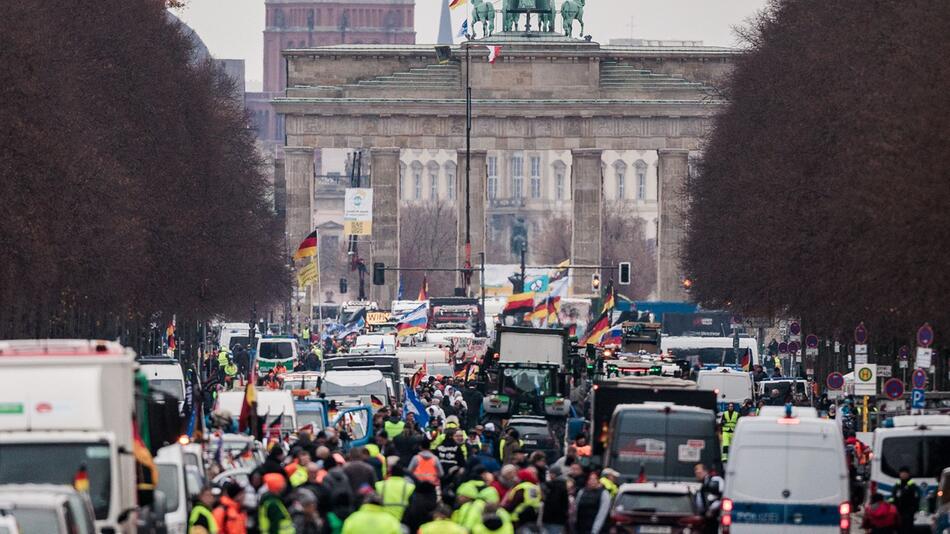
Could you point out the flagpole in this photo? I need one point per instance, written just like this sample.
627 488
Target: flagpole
468 170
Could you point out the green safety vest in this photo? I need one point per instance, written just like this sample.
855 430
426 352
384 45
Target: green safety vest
442 526
371 519
394 429
609 486
230 369
395 493
531 496
200 511
501 447
222 358
729 421
299 476
284 526
469 515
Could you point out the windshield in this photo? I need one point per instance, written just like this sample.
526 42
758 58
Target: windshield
925 456
57 463
310 418
244 341
666 447
530 381
668 503
276 350
707 356
170 386
168 478
535 431
36 519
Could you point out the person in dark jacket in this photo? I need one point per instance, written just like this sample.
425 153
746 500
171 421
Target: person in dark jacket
555 510
906 497
359 471
591 507
421 505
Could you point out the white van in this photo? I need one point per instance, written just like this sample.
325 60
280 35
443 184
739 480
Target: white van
709 351
233 334
412 358
179 484
385 343
270 403
786 474
165 375
276 350
352 388
730 385
919 442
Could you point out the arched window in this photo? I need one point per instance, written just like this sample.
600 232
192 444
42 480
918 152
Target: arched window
433 180
560 180
640 168
620 172
416 180
450 180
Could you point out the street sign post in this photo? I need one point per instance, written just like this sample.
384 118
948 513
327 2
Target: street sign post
860 353
884 371
919 379
811 345
918 399
925 335
894 388
860 334
794 347
783 348
865 379
835 381
795 331
924 357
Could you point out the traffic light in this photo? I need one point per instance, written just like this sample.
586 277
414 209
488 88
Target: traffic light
595 282
379 274
343 285
624 271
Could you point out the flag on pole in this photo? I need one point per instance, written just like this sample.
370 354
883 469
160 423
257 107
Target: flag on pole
414 406
413 322
376 403
610 300
248 417
424 289
455 3
170 334
597 330
307 275
308 247
540 311
520 302
494 52
560 272
463 30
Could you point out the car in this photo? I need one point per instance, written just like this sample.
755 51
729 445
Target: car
536 435
655 507
47 508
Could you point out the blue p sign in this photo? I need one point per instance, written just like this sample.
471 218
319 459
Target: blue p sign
917 401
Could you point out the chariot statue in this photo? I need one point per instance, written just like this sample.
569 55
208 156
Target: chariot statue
483 12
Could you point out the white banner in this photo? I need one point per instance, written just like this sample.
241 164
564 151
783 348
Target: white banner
358 211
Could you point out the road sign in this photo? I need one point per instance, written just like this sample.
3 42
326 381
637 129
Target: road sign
865 379
918 399
783 348
860 354
925 335
893 388
904 353
794 347
924 357
920 379
861 334
835 381
795 331
902 364
884 371
811 341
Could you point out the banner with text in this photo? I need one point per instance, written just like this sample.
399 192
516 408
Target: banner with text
358 211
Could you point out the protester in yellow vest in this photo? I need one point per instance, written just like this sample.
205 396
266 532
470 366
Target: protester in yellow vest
371 518
470 512
201 520
524 500
272 514
441 524
395 491
497 522
608 480
730 418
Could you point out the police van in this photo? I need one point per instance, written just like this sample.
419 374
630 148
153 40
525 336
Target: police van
920 443
786 474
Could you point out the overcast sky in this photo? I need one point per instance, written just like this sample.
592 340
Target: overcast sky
232 29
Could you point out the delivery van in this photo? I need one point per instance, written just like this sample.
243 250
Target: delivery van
786 474
730 385
179 484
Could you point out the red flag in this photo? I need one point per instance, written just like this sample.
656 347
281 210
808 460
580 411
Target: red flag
424 289
494 52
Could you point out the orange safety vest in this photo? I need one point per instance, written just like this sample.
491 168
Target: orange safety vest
583 451
291 467
426 470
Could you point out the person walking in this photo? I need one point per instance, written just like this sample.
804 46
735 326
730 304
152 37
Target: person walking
881 517
395 492
591 507
201 520
906 497
730 418
230 515
441 524
371 518
272 515
709 497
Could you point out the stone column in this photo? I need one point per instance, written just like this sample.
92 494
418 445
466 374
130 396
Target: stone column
384 174
587 192
477 197
672 171
298 176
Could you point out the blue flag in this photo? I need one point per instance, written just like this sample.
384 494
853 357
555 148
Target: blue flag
463 31
414 406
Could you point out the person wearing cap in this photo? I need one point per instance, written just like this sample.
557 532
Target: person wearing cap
441 524
230 515
272 514
490 438
371 518
608 479
395 491
524 500
304 513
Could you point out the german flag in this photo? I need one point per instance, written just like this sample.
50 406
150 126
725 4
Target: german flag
377 404
554 306
540 310
520 302
248 418
308 247
597 330
610 301
745 360
81 479
424 289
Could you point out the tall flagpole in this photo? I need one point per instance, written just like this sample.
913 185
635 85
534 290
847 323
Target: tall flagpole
319 283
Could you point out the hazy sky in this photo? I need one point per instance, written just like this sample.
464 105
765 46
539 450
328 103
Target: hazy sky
232 29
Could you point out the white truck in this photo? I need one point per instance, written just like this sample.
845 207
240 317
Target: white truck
66 406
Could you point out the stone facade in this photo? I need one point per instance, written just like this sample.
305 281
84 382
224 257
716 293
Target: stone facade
620 109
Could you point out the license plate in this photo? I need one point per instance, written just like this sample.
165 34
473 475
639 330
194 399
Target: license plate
530 442
650 529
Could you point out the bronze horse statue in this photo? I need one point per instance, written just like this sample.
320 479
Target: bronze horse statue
512 10
572 10
483 12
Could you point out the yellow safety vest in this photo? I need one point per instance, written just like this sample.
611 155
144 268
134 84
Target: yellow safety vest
373 450
470 514
371 519
506 525
230 369
285 526
299 476
501 447
531 499
222 358
729 421
609 486
395 493
442 526
394 429
202 511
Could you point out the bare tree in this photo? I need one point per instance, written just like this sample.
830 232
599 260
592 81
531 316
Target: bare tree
624 239
555 243
427 239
